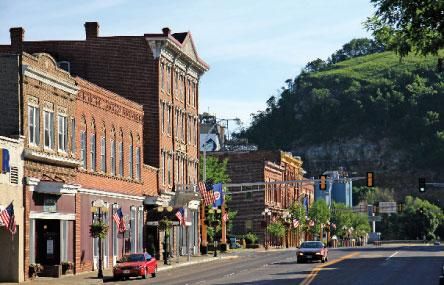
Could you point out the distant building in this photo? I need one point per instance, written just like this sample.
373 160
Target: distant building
265 166
338 190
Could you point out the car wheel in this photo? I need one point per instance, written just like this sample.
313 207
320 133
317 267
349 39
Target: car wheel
299 260
154 273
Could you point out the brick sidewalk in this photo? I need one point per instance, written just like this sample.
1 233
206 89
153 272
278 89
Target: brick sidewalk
91 277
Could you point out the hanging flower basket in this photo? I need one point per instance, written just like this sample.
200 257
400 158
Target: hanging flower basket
165 225
98 230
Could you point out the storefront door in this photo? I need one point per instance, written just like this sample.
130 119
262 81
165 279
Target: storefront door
47 242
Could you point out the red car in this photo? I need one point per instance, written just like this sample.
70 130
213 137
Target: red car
312 250
134 265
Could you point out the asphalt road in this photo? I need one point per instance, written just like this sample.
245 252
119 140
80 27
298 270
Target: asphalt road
370 265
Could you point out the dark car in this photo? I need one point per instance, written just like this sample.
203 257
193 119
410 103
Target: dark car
134 265
312 250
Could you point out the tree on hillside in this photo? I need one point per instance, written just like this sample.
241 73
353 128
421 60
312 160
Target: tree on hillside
355 48
406 25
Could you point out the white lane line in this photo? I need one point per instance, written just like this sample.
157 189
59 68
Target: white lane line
392 255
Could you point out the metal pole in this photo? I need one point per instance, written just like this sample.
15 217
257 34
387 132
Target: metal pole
100 273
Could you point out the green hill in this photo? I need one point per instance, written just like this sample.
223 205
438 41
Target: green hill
374 108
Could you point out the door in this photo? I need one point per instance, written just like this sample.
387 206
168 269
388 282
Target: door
48 242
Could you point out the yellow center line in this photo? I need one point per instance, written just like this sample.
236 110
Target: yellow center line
316 270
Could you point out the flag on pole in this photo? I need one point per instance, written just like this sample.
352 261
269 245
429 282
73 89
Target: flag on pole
225 217
181 216
8 218
118 218
295 223
207 196
218 195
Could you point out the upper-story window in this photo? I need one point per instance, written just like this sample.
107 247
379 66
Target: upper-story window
48 120
34 125
83 148
162 76
103 154
169 120
73 135
93 152
168 79
121 159
162 116
130 160
62 132
176 84
138 164
113 157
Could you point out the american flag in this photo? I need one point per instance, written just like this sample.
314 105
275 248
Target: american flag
295 223
225 217
8 218
311 223
120 221
208 196
181 216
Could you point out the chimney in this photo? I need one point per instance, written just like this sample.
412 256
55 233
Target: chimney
166 31
92 30
17 37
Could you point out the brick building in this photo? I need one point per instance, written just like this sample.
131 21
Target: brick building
109 146
161 72
252 204
82 144
40 104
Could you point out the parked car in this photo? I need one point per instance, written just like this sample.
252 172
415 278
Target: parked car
134 265
312 250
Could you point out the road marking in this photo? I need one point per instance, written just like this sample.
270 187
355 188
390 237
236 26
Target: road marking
391 255
316 270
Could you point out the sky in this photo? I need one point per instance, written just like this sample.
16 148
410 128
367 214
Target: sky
252 46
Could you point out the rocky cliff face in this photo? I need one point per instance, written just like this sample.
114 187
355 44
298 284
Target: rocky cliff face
393 167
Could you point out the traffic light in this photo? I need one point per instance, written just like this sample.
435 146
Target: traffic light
370 179
323 182
422 184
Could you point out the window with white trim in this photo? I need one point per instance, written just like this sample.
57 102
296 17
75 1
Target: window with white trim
93 152
34 125
73 135
83 148
138 163
121 159
130 157
48 122
103 154
113 157
63 132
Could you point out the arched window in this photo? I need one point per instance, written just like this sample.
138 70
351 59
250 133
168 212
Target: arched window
121 153
93 146
138 158
130 156
113 150
83 143
103 149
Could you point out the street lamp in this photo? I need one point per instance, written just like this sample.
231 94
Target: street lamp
287 217
99 207
266 212
217 216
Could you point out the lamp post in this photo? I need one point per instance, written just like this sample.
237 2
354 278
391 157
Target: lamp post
266 212
215 223
287 221
99 207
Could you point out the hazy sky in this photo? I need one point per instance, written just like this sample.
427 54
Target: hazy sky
252 46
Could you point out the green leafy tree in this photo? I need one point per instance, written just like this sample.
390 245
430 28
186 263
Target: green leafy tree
276 229
320 214
421 218
406 25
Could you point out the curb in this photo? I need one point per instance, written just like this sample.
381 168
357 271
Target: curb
206 260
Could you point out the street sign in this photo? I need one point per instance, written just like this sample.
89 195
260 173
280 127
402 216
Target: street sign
374 218
387 207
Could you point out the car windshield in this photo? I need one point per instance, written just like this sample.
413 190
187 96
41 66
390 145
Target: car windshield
132 258
312 245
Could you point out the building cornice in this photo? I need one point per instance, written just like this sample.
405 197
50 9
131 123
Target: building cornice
51 158
110 194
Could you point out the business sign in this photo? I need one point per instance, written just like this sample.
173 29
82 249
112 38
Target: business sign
387 207
374 218
4 160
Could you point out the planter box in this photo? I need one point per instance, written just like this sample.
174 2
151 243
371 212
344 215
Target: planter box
253 245
51 271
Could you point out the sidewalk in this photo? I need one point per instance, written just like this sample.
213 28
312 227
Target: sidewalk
91 277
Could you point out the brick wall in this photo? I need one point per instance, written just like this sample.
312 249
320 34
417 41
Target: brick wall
9 92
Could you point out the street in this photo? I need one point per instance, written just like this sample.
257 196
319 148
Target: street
391 264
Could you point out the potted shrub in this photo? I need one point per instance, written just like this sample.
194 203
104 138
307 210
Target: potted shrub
67 267
98 229
34 269
251 239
